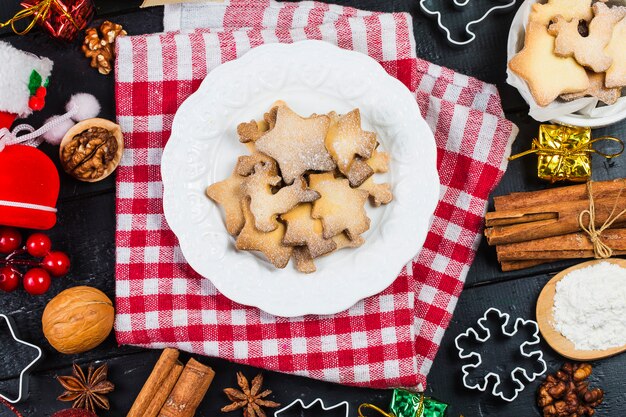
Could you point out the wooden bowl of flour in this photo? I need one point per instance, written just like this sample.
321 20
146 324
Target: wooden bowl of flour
545 318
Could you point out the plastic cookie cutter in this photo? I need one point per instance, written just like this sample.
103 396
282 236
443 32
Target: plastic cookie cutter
338 407
461 4
531 358
22 392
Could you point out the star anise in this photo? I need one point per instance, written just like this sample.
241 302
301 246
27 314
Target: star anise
87 392
250 399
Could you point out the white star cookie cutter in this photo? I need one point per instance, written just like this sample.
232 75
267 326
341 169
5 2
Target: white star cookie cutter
22 392
496 391
317 400
460 4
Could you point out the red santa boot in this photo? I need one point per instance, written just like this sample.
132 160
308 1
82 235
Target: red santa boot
29 181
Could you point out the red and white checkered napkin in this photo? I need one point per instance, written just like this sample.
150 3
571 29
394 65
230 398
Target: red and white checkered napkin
389 339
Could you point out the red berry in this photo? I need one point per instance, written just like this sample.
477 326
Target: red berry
38 245
41 92
10 239
57 263
74 412
9 279
37 281
36 103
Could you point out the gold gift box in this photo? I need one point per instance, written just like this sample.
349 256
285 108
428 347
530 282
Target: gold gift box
564 153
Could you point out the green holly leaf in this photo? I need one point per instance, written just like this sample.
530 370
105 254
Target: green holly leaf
34 82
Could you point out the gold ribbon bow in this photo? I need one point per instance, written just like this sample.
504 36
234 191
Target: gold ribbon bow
577 150
40 11
600 249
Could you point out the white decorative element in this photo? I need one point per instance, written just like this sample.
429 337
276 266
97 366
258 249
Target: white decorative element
496 391
55 135
19 204
204 147
22 392
461 4
87 106
317 400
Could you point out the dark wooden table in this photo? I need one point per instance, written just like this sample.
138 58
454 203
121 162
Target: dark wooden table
86 224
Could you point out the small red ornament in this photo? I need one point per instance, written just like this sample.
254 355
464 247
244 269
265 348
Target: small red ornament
57 263
38 245
74 412
36 103
37 281
9 279
10 239
41 92
56 23
29 188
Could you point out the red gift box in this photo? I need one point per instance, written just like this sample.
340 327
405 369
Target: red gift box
61 19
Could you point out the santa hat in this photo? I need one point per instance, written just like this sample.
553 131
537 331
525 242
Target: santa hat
23 82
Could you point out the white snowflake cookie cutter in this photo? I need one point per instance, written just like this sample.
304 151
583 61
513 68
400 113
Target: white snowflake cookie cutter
496 391
317 400
22 392
460 4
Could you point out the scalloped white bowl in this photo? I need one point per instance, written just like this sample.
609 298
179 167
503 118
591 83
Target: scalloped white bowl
311 76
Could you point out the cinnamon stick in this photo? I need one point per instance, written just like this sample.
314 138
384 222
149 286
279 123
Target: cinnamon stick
601 189
565 220
551 254
572 242
509 266
189 391
164 391
162 369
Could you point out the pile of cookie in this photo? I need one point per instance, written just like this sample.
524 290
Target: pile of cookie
301 191
574 49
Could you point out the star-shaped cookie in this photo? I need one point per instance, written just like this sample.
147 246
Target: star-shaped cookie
546 74
340 207
297 144
228 194
304 230
347 140
270 244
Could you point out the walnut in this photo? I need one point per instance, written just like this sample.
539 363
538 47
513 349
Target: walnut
101 49
567 394
92 149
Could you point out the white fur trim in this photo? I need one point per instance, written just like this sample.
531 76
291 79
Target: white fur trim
15 69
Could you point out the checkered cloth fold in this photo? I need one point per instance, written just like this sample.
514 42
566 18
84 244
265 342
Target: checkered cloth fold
389 339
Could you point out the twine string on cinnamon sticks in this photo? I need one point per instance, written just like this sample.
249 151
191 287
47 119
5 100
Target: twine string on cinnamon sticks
601 249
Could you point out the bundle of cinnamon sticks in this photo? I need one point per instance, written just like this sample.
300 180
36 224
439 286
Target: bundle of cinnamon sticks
537 227
172 390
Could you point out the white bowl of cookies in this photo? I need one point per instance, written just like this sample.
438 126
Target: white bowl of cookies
567 58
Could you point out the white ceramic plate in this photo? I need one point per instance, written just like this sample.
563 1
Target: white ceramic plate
311 76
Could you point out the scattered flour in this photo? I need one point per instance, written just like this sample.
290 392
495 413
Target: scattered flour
590 307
